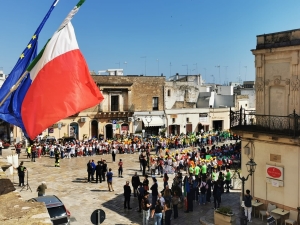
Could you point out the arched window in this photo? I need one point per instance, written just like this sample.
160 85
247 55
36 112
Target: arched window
169 92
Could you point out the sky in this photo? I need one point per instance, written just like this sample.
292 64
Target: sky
213 38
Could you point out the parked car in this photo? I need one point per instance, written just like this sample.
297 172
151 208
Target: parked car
67 139
59 215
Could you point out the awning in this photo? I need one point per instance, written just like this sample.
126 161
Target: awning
155 121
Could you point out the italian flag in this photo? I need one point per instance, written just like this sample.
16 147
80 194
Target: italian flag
61 83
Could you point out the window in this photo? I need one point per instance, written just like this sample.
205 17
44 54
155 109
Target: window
114 106
155 103
187 120
173 120
169 92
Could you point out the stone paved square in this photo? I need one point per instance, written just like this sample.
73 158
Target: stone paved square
69 183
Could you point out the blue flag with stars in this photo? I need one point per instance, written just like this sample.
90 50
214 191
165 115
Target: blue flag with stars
10 110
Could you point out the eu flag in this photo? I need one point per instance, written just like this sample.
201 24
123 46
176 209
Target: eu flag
10 110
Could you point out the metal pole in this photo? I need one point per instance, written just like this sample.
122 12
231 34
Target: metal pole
99 216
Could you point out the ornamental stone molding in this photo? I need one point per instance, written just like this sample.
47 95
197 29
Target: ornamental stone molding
295 83
259 84
277 80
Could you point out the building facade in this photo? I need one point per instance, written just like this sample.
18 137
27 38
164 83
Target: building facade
271 136
128 100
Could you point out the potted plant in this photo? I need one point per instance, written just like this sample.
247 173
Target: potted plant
224 216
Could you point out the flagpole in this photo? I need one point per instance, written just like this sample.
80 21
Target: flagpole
64 23
14 87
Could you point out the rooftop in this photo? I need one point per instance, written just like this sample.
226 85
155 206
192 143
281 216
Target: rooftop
279 39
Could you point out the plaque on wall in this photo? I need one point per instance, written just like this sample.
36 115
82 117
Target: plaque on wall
275 158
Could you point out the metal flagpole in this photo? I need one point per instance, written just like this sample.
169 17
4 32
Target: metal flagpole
64 23
14 87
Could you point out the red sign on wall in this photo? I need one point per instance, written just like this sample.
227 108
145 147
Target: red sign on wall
274 172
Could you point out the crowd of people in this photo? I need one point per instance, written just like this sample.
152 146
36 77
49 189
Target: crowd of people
204 161
207 177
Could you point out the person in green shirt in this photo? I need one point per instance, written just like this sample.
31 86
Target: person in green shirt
227 179
197 170
191 171
214 175
204 170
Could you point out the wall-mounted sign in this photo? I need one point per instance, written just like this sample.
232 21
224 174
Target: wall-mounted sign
275 158
203 114
274 172
50 130
173 116
203 120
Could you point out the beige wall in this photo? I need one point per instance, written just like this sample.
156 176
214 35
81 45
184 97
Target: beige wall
136 90
261 148
277 75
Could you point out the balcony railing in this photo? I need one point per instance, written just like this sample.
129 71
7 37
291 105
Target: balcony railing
120 108
249 121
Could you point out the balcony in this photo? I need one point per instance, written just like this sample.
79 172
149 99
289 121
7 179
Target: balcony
114 108
245 120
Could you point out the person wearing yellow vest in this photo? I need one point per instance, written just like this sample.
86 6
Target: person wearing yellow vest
29 152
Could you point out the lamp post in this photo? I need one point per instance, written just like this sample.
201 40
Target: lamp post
148 120
251 166
213 78
125 67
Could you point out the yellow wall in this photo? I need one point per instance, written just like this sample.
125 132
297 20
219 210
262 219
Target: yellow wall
261 148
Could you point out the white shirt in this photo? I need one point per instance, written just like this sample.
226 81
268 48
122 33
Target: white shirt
162 201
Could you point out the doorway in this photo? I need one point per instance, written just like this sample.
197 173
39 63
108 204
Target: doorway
108 131
174 129
218 125
94 129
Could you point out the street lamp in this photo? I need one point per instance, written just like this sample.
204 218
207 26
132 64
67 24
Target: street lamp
125 67
148 120
213 78
251 166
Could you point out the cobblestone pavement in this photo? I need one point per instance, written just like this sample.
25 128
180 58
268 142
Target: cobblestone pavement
69 183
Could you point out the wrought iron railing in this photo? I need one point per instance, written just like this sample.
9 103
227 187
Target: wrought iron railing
248 120
118 108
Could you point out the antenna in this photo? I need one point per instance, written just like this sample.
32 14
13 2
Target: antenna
226 74
187 69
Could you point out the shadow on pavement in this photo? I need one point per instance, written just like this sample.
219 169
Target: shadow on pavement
116 205
80 180
97 190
